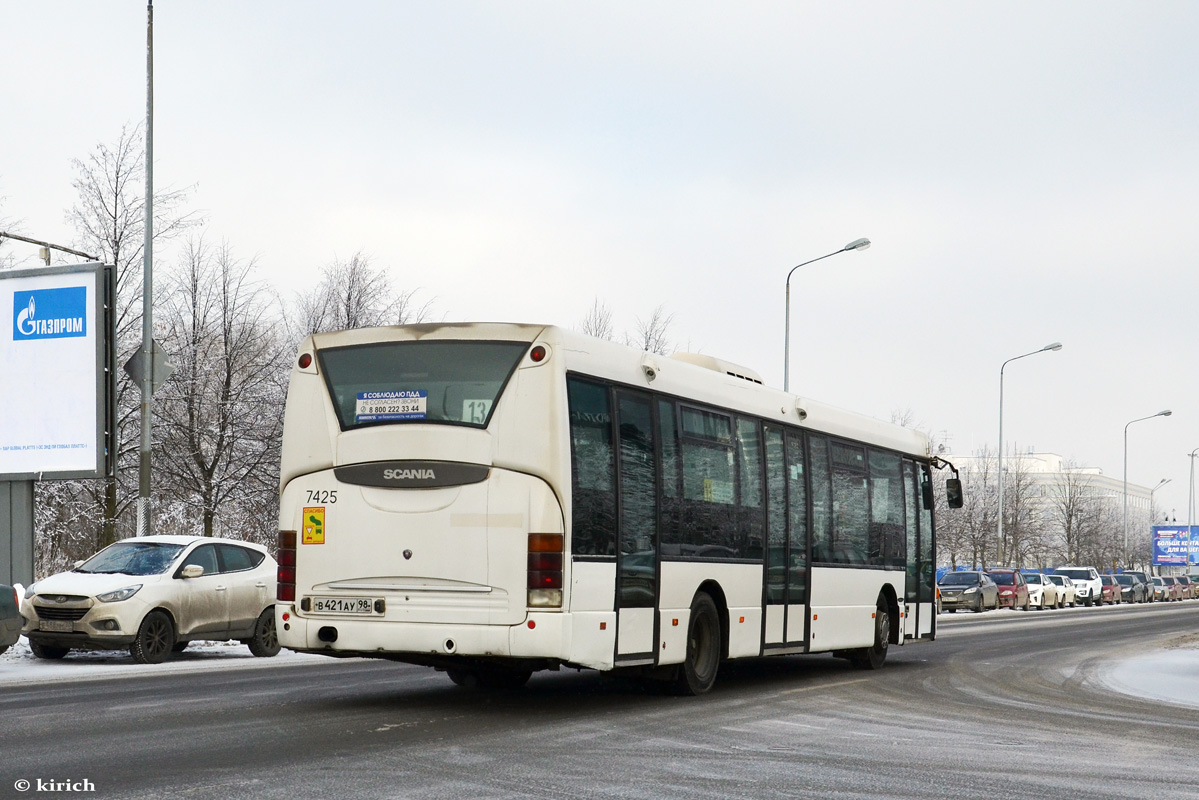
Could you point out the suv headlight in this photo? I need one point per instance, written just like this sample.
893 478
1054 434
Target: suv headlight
30 591
118 595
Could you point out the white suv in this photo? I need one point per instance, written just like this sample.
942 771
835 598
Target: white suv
1087 586
154 594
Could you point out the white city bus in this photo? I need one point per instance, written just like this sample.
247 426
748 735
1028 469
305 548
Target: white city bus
494 499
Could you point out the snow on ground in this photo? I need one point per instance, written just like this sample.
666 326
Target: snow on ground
1170 673
18 664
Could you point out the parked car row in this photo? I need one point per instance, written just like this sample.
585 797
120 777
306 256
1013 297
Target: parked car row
154 595
1169 588
979 590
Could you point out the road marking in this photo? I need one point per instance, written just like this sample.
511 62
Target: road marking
824 686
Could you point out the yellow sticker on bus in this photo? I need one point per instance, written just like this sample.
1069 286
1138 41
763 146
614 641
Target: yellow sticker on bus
314 525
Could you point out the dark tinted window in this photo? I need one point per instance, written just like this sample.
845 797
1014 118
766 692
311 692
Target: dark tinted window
776 517
237 559
668 441
850 539
709 526
822 500
205 556
638 503
422 382
749 460
797 503
927 555
888 524
593 512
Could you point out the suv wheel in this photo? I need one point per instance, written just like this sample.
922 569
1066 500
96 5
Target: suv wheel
265 641
155 639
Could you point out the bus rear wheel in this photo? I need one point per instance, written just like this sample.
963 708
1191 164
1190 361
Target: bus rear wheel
698 672
873 657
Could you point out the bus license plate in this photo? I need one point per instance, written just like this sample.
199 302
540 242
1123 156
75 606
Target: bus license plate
343 605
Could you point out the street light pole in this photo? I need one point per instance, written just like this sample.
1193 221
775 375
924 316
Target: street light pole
1153 492
856 244
1190 508
999 535
144 526
1165 413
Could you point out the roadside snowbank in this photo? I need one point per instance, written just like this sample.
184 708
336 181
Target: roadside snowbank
1170 674
18 665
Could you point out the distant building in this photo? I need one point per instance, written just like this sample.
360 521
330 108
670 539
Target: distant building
1047 478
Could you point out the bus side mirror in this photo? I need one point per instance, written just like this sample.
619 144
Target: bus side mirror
953 492
926 489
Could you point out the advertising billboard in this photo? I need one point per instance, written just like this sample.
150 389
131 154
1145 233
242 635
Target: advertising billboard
1174 546
54 343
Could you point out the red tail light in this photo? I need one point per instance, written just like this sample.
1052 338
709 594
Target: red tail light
286 585
545 570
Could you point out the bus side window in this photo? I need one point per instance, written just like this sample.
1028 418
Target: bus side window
928 567
797 537
888 544
668 437
709 528
776 518
593 514
822 500
749 457
850 503
912 502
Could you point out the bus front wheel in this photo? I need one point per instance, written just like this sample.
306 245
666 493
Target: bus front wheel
698 672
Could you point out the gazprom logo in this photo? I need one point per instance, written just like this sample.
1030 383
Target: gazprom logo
50 313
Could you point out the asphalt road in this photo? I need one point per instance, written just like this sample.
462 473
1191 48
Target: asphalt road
1003 705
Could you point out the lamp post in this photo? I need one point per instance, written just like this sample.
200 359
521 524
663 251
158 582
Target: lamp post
856 244
999 534
1165 413
1152 492
1190 508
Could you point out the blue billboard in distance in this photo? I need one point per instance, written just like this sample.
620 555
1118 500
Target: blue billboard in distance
1172 546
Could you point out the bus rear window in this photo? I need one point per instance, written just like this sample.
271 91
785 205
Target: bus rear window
455 382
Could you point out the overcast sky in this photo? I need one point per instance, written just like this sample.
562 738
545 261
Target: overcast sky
1026 171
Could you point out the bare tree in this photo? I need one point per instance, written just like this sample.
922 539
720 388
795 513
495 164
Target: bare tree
109 220
973 528
352 294
905 418
1022 539
1071 512
598 322
7 259
652 334
221 415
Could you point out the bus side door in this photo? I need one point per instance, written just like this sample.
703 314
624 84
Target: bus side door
637 530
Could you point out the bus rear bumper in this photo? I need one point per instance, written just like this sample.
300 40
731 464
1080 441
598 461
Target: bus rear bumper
540 636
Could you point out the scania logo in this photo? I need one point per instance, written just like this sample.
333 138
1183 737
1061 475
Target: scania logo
409 475
412 474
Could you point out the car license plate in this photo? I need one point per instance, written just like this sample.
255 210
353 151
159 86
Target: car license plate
343 605
58 626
